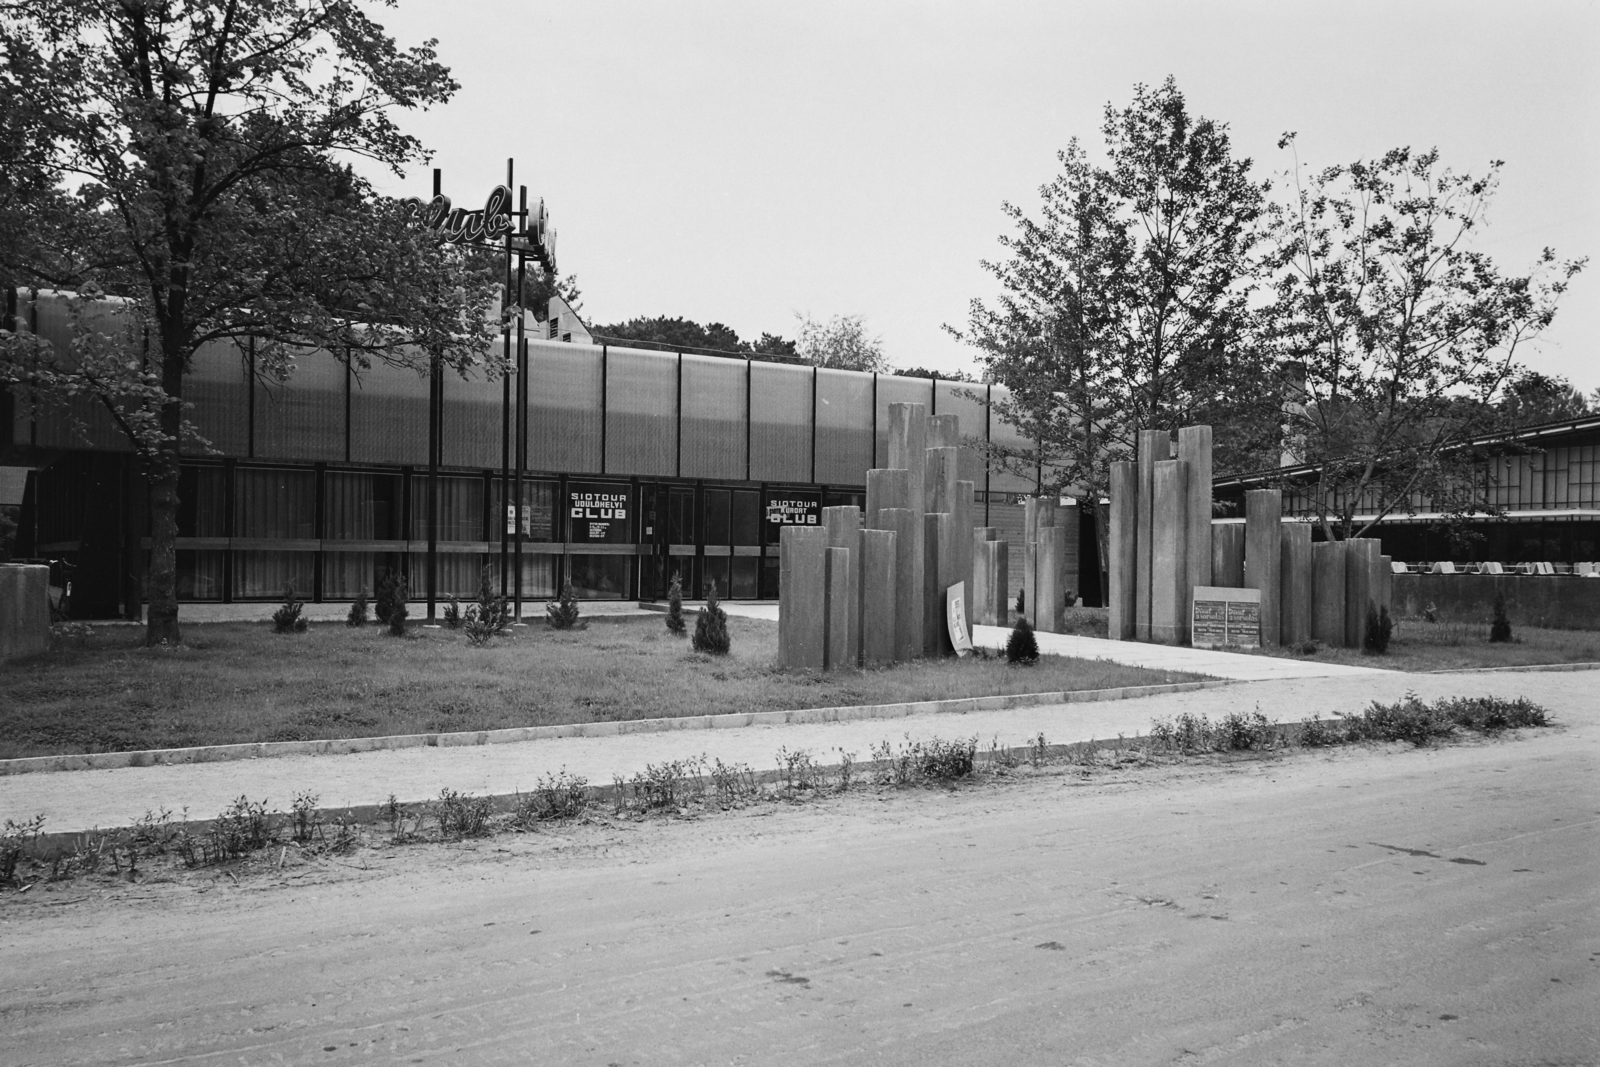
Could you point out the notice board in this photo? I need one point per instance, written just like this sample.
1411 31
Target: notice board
1225 617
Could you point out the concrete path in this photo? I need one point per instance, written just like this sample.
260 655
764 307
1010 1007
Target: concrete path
79 800
1232 665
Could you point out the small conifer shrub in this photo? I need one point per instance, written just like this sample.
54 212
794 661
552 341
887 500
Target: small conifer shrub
358 610
494 610
1022 646
386 595
675 621
1022 601
287 619
1380 627
711 626
397 608
1500 628
452 612
562 614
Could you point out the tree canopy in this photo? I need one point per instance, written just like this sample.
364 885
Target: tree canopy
192 158
680 333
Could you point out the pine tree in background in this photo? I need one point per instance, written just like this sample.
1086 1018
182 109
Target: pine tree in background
1022 647
711 627
1500 629
675 621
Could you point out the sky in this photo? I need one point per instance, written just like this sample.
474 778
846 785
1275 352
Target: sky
744 162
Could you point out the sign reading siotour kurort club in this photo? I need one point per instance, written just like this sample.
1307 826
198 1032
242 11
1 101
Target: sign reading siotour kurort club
598 515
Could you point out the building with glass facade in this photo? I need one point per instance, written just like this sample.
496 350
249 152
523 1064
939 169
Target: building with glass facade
634 465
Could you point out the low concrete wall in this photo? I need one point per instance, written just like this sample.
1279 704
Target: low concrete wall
1561 602
24 610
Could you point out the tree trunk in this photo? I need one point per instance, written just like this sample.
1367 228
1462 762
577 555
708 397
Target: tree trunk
161 623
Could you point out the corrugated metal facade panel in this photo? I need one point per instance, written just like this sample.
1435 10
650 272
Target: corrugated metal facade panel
896 390
303 418
564 387
713 417
87 423
473 409
389 415
967 401
780 422
218 386
641 412
844 427
1020 478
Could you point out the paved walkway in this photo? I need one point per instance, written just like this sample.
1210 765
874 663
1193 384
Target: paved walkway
77 800
1236 666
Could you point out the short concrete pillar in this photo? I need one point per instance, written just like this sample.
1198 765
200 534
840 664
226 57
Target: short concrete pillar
1327 592
1122 548
844 531
877 569
1362 556
1263 556
1386 583
886 489
1050 554
938 571
990 571
1154 445
944 431
1294 577
1169 567
1376 569
842 607
939 480
907 581
24 610
803 598
1194 448
1227 555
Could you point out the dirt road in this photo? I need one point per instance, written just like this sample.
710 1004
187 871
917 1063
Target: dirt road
1365 907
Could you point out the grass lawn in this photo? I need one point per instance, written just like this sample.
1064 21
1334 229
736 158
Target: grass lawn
239 682
1418 645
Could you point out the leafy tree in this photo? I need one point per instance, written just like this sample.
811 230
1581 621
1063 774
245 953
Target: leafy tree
1406 335
841 343
924 372
188 157
1531 398
680 333
1126 303
771 346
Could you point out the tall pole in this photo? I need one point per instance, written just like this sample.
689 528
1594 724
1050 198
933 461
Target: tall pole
505 414
435 447
522 383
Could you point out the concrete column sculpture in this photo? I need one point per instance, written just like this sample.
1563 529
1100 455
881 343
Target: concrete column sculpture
1227 555
841 611
1169 565
944 431
844 532
1154 445
1295 603
908 566
886 489
1122 544
1327 592
803 597
1362 554
878 597
1263 556
24 610
963 546
1194 448
939 557
908 446
991 569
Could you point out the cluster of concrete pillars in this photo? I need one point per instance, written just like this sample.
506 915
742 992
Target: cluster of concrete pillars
1050 552
869 589
1164 544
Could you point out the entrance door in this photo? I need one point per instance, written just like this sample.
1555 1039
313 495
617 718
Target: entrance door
654 573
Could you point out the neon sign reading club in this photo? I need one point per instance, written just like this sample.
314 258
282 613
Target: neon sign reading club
488 224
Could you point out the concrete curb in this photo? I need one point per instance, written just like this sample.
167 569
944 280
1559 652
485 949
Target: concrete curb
1526 668
343 746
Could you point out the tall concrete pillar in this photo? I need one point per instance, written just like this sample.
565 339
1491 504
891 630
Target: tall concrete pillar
1327 592
908 446
963 545
1122 547
907 581
1169 567
1051 555
1194 448
841 611
1154 445
1362 552
886 489
944 431
1386 583
803 597
1294 576
939 479
1263 556
939 548
878 562
844 531
1227 555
